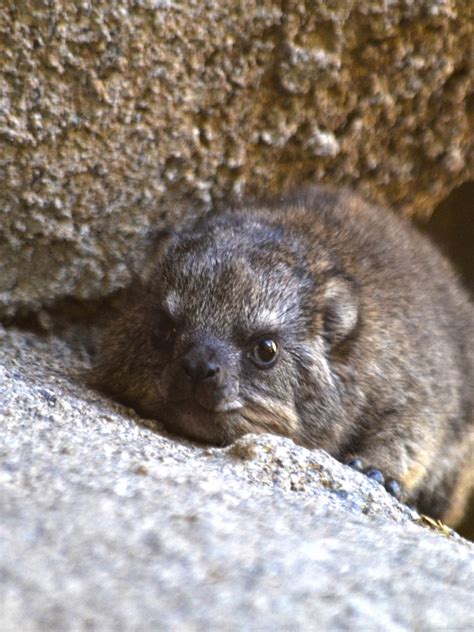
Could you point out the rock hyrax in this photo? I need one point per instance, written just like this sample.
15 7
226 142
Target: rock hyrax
315 316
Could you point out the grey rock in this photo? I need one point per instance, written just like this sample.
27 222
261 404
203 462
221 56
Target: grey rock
108 523
114 115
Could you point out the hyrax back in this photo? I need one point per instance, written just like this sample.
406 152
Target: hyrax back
317 317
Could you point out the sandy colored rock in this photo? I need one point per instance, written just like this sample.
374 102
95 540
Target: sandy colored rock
110 112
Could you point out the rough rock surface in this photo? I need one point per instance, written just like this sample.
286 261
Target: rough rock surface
110 525
110 111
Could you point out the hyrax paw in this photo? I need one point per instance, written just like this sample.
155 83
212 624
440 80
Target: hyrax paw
392 486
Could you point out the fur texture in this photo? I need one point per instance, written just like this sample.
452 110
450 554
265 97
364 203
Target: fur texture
374 339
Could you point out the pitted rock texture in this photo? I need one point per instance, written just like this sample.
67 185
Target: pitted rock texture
110 525
110 112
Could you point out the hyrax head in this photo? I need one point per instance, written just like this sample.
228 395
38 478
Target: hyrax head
238 326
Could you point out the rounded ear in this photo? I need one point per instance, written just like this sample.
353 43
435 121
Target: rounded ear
157 243
341 309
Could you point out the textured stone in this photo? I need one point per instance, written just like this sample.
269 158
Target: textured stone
110 525
111 112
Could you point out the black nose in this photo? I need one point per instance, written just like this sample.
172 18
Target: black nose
200 364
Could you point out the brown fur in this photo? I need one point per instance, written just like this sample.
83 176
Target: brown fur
375 339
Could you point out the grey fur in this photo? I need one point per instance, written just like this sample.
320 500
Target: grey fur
375 339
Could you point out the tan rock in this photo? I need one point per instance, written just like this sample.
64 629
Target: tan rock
110 112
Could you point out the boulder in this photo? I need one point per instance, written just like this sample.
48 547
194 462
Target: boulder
116 116
108 523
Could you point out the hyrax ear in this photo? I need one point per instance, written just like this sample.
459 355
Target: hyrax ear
341 309
156 245
159 242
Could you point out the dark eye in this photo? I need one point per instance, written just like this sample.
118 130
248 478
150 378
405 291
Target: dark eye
163 328
264 353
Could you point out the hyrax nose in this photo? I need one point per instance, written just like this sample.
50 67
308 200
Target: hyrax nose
201 364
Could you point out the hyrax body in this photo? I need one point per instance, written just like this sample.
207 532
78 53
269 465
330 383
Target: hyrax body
317 317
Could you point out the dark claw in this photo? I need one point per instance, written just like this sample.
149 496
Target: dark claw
355 464
375 475
393 487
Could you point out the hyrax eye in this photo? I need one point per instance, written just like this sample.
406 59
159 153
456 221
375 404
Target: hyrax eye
264 353
163 327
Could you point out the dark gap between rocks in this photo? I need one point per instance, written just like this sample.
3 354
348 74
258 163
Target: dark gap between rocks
451 227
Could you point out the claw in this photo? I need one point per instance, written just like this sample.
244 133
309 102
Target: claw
355 464
392 486
375 474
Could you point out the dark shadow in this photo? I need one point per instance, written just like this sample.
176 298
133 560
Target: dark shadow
452 228
466 528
